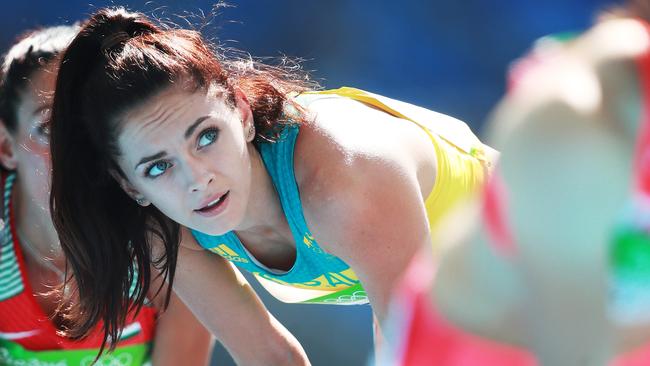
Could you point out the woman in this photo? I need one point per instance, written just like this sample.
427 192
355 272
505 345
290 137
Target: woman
324 196
32 265
560 247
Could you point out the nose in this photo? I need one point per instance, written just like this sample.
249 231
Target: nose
201 184
199 176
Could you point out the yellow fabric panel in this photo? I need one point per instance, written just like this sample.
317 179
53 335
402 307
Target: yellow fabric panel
459 175
462 160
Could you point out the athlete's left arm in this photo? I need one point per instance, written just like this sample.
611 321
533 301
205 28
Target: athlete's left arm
369 212
180 339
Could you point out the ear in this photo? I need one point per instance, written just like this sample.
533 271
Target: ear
128 188
7 148
246 114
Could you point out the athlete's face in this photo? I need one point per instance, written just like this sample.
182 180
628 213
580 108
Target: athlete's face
187 153
28 148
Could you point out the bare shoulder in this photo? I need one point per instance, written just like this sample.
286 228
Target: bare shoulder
352 157
188 241
348 142
360 192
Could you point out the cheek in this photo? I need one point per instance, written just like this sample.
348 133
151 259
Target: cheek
33 147
34 169
171 204
166 195
246 165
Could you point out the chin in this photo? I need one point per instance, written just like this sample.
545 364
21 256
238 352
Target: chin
212 231
217 227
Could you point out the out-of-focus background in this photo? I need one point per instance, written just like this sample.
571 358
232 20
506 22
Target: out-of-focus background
447 55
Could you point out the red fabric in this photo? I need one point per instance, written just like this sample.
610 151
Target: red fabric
22 313
431 340
642 150
520 68
494 215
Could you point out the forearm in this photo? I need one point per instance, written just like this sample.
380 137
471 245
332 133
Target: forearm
273 346
180 337
189 349
228 307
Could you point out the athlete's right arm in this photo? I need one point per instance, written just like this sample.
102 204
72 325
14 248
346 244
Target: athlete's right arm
226 304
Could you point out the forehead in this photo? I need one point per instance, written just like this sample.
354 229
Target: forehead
166 115
39 88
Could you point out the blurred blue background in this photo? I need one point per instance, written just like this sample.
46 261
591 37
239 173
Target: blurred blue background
446 55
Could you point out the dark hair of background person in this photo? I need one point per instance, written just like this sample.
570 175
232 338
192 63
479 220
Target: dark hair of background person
32 51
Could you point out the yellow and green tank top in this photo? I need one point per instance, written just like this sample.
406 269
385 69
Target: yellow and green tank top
317 276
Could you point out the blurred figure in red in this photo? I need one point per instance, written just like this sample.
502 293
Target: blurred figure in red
556 268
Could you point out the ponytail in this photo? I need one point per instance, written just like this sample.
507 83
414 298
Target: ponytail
103 233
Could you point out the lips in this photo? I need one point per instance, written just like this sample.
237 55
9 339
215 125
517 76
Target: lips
214 206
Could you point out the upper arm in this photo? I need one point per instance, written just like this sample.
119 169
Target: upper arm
565 157
475 284
370 213
567 176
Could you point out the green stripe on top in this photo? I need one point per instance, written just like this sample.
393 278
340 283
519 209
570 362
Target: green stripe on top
629 260
354 295
9 278
7 254
7 266
12 354
131 331
11 291
11 283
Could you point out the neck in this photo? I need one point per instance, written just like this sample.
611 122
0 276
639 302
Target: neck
35 228
264 215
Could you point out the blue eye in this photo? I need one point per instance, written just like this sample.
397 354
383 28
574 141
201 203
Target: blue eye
208 136
43 129
41 133
156 169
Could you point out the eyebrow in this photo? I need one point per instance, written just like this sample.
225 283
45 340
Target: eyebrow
188 133
193 126
150 158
